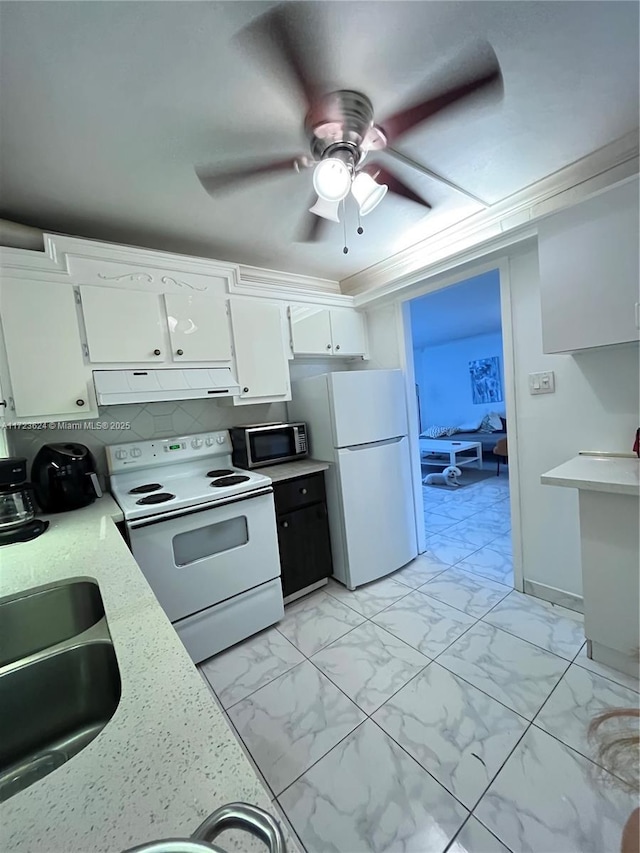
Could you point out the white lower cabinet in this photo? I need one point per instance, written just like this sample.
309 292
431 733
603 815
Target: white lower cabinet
123 325
260 350
47 373
317 330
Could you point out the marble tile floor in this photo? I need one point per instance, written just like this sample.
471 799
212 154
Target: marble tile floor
471 527
435 710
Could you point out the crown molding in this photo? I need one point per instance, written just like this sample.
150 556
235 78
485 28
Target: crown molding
256 281
110 264
503 223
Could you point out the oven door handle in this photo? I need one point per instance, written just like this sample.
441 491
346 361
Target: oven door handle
180 513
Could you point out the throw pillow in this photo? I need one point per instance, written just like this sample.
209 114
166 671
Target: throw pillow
436 432
470 426
495 420
486 425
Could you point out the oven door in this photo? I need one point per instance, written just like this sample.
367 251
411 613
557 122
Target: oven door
193 559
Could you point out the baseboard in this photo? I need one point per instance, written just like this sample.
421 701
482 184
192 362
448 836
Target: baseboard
556 596
299 594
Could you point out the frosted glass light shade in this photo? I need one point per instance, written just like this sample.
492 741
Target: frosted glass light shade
326 209
332 179
367 192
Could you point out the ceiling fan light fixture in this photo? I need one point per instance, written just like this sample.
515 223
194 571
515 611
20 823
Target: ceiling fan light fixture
326 209
332 179
367 192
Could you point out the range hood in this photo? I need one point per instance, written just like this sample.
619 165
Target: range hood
152 386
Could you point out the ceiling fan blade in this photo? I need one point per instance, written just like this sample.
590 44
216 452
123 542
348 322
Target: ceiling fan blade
225 179
383 176
280 36
486 76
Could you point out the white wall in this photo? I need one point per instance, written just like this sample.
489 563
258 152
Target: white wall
595 407
442 374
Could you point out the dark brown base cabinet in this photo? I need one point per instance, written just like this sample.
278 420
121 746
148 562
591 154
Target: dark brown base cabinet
303 532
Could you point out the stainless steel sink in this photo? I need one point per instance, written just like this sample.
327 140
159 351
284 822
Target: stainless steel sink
39 619
62 689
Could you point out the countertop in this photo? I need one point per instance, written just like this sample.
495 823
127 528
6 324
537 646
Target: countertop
597 473
168 757
291 470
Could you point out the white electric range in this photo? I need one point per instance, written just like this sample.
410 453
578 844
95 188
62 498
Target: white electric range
204 534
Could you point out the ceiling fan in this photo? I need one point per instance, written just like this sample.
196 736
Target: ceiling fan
341 126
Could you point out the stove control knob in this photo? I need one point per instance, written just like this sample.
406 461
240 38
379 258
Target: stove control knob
121 454
220 439
135 452
209 440
196 443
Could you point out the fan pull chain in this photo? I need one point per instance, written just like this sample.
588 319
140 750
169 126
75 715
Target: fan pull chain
360 228
344 228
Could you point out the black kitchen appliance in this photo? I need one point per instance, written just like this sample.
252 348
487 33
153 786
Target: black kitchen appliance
255 445
64 477
17 509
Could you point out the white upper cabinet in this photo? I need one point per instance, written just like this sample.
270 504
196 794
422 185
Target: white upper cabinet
198 327
589 272
123 325
347 332
310 330
47 373
327 331
260 350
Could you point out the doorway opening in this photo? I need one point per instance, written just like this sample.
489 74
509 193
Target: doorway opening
459 368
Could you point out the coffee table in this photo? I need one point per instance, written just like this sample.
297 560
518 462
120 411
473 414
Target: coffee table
432 451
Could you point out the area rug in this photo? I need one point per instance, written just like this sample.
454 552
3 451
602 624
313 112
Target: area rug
469 477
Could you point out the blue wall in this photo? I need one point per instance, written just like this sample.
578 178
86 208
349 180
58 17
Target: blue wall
442 375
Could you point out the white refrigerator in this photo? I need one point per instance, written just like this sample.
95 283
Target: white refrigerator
358 422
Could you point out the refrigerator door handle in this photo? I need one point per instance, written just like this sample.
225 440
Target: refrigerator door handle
371 444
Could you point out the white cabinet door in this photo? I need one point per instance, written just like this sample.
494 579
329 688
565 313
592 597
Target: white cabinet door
44 350
588 259
260 350
198 327
310 330
327 331
123 325
347 332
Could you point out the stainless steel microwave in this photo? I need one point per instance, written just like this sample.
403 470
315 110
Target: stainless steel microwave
256 445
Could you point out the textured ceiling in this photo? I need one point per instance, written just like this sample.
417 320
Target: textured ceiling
105 108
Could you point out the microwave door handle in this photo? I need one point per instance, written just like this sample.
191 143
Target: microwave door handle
94 482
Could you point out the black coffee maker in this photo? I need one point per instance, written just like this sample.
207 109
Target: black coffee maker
64 477
17 510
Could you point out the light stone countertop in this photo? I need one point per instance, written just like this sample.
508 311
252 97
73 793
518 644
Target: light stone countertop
168 757
291 470
597 473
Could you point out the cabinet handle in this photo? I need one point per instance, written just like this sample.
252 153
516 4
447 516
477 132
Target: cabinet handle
179 352
79 402
338 346
328 346
245 390
285 523
156 352
303 491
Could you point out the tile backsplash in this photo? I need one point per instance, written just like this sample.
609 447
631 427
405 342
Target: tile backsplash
144 421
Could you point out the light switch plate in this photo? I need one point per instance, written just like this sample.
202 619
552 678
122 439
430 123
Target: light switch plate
542 383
